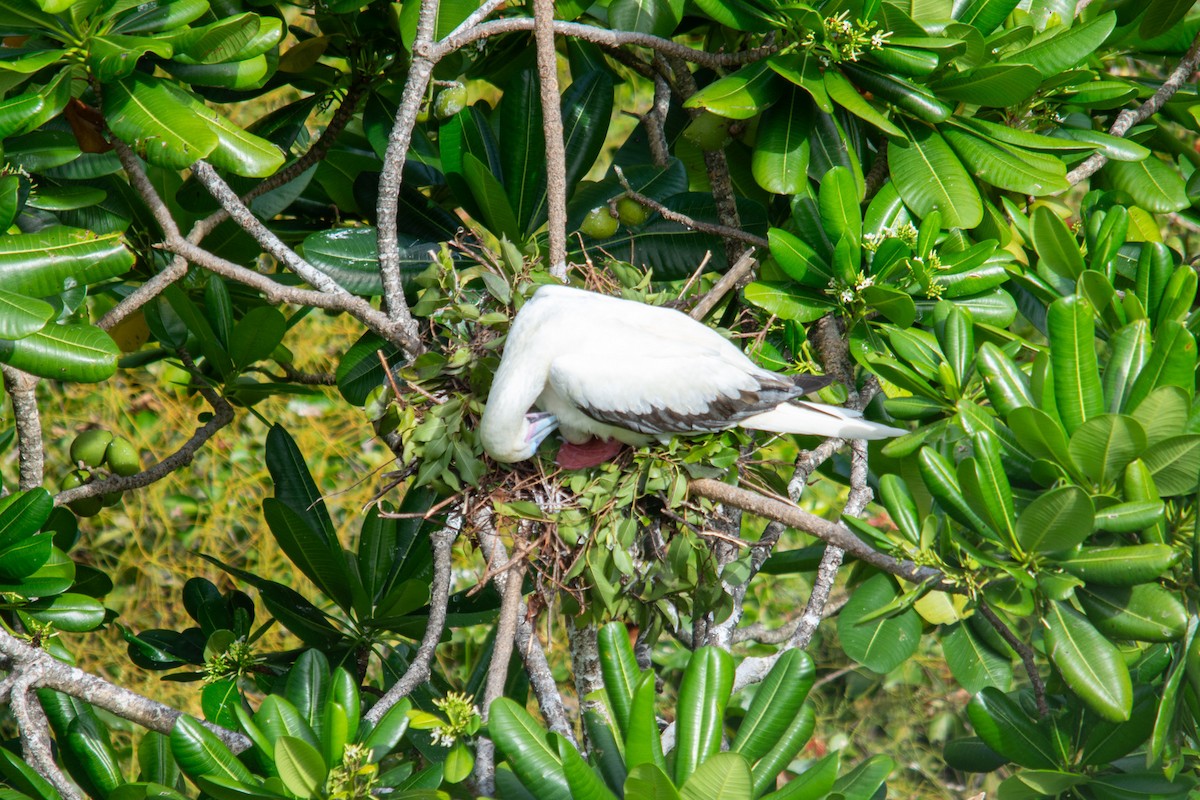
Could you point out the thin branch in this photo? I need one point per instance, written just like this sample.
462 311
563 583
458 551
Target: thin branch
35 732
145 189
149 290
552 129
1130 117
315 153
30 452
585 664
834 533
54 674
222 416
439 596
724 231
740 269
420 70
1023 650
604 38
497 676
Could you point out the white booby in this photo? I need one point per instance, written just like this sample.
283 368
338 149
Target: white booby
616 369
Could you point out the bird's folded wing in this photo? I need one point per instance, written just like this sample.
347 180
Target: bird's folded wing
672 390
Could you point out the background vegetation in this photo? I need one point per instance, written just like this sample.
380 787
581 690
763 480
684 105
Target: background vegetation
258 263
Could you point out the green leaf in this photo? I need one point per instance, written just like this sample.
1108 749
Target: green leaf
739 95
115 55
785 749
294 487
1006 385
782 300
1062 48
199 752
256 335
882 643
1121 566
655 17
523 743
82 353
1151 183
865 780
1072 334
74 613
779 162
523 149
985 15
1003 727
995 85
1146 612
55 259
148 117
21 316
309 551
723 776
1008 168
159 15
643 743
842 92
1088 662
1057 520
703 694
912 97
1161 16
1055 244
837 199
1172 362
972 663
775 705
584 782
300 766
930 178
814 783
798 260
803 69
1105 444
1175 464
621 673
488 192
649 782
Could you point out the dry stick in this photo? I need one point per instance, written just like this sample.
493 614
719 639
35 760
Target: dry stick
54 674
552 128
35 731
605 38
1023 650
506 632
724 231
439 593
741 268
21 388
420 70
1128 118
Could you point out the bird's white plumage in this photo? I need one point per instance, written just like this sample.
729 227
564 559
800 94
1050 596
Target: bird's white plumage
619 369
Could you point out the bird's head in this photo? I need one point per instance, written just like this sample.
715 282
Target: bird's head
509 445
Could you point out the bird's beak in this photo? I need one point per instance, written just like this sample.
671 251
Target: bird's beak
541 424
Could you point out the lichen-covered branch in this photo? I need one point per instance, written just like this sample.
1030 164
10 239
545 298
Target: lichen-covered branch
552 128
30 453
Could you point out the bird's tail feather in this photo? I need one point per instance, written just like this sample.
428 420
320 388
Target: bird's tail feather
815 419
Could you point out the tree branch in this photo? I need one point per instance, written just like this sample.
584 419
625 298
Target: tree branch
1023 650
724 231
552 129
1130 117
35 730
54 674
439 596
21 389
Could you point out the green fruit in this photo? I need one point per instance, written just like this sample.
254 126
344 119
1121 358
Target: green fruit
122 457
89 447
87 506
631 212
599 223
709 131
450 101
110 499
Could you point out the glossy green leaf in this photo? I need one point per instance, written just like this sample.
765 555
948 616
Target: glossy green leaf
300 766
489 193
237 150
1063 47
1145 613
775 705
842 92
655 17
1088 662
1161 16
75 613
882 643
82 353
584 782
1103 445
995 85
723 776
931 178
1175 464
388 732
54 259
1006 385
780 158
256 335
522 741
649 782
972 663
1121 566
1130 517
784 750
912 97
1129 348
703 694
1172 362
804 70
1116 148
148 117
985 15
308 551
1056 520
159 15
1072 334
812 784
739 95
22 514
523 151
1151 183
199 752
1055 244
21 315
643 743
785 302
897 498
621 673
1004 727
1008 168
798 259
